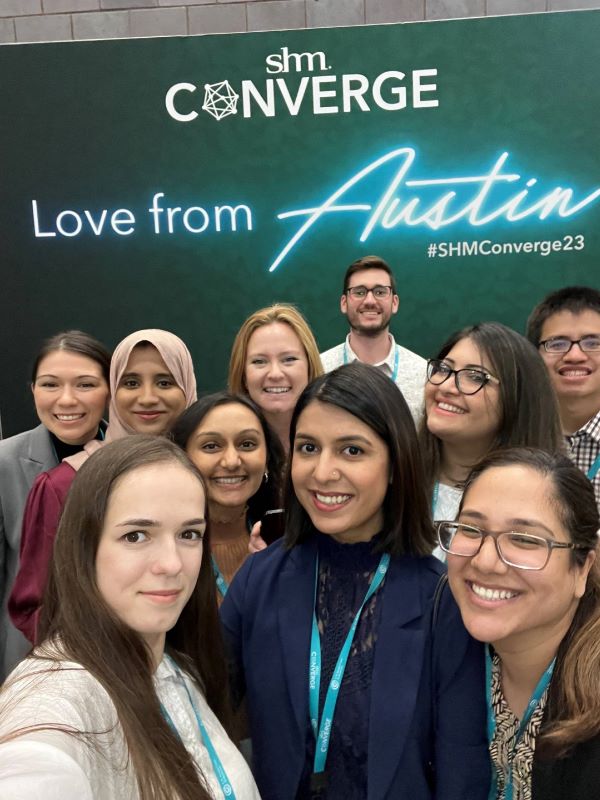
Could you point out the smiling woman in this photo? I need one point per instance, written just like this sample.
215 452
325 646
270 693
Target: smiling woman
124 697
151 382
274 356
241 460
365 695
487 389
69 383
522 566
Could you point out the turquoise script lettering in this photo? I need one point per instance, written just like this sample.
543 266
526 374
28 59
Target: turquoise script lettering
480 208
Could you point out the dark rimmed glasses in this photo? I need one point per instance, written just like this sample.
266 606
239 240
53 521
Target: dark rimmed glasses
561 345
379 292
515 549
468 380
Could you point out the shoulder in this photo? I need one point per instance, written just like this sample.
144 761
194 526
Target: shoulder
411 362
575 777
333 357
20 443
43 691
58 478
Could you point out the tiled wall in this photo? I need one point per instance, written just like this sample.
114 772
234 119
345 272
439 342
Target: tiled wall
53 20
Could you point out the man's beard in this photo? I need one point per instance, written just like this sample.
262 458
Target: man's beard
369 331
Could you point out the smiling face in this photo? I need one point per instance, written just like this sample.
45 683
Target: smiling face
276 370
150 548
459 418
369 315
575 374
512 608
340 472
148 398
70 395
229 449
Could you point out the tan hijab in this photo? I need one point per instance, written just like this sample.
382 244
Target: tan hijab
179 363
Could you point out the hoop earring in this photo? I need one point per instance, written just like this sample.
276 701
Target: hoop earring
266 476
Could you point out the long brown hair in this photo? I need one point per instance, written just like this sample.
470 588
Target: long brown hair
81 626
573 711
529 415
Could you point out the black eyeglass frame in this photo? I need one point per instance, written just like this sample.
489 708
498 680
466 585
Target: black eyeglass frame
387 287
488 377
550 544
545 342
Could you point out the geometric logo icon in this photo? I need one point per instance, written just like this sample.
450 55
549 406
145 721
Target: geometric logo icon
220 100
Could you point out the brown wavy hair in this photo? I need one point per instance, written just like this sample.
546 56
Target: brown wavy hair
529 415
83 628
279 312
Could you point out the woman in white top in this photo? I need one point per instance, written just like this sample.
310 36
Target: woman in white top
123 699
486 389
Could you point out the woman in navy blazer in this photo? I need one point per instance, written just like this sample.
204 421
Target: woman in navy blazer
409 714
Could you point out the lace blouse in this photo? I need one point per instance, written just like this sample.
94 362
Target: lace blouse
345 572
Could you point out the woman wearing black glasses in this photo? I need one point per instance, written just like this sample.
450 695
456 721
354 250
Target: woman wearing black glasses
487 389
522 566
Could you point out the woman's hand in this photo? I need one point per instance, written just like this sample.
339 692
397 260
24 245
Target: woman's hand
256 543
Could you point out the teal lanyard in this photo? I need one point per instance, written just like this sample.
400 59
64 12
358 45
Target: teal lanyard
226 786
322 732
593 470
222 584
436 494
539 690
394 374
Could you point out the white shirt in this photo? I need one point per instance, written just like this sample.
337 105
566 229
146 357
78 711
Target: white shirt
54 765
446 507
412 370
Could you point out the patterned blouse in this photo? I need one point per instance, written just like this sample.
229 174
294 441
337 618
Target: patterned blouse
506 757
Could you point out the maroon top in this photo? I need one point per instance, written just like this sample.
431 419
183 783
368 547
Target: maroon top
40 521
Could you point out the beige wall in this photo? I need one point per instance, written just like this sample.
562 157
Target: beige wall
54 20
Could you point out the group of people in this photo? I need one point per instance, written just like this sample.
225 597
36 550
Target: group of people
311 507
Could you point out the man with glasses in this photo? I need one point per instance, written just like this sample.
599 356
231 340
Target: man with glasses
565 327
368 302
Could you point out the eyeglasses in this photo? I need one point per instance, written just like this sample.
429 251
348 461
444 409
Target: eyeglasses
378 292
520 550
560 345
468 380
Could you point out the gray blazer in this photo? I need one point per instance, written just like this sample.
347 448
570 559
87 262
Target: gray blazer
22 458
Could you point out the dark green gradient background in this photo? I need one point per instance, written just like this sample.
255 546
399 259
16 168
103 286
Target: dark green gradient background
84 126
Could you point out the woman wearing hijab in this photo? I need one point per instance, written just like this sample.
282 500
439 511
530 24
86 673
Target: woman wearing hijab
151 382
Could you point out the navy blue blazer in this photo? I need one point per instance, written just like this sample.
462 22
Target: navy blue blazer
427 730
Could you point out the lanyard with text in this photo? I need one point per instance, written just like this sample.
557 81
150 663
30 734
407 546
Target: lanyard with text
394 374
538 692
593 470
322 732
226 786
222 584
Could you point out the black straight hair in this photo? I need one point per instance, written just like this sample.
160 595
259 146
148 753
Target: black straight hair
366 393
575 299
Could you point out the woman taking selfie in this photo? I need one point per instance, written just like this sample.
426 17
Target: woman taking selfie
486 389
344 606
123 697
522 567
69 383
274 356
151 382
240 459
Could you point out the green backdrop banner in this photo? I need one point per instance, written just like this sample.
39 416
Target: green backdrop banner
184 182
